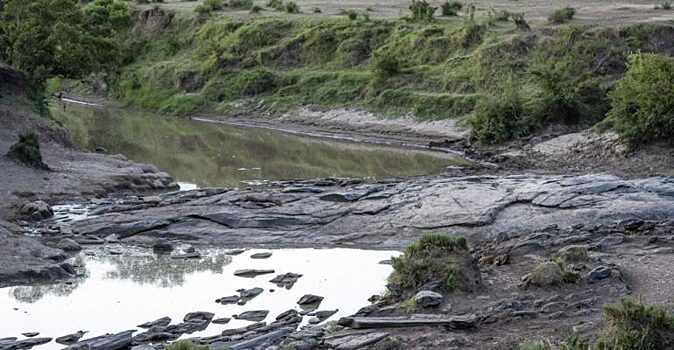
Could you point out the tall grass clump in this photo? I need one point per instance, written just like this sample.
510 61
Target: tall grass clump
560 16
642 103
422 11
450 8
434 257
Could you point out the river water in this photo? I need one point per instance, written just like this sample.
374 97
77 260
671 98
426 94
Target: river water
118 292
212 155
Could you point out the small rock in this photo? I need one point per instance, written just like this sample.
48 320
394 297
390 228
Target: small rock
599 273
190 255
248 294
223 320
286 280
426 298
234 251
255 315
611 241
69 245
251 272
70 338
30 334
162 246
310 299
164 321
232 299
264 255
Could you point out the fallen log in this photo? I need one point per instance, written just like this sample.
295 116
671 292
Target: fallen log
453 322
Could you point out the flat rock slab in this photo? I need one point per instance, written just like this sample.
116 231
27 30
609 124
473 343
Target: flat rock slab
392 214
254 315
454 322
356 341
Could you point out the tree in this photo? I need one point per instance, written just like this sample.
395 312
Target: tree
57 37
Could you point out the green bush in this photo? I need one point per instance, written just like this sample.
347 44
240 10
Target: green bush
385 65
642 103
276 5
450 8
634 325
292 7
256 9
214 5
433 257
562 15
502 118
241 4
422 11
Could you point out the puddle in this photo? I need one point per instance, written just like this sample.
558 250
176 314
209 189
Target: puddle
217 155
122 291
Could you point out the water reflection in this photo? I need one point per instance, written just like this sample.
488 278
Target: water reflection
209 154
162 270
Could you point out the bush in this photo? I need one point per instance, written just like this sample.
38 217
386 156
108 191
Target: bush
214 5
520 22
450 8
561 15
665 5
422 11
276 5
502 118
292 7
256 9
642 103
385 65
27 151
633 325
241 4
435 257
499 16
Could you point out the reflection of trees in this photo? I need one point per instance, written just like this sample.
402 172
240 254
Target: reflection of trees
161 270
31 294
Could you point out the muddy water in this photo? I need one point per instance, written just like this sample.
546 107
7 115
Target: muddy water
208 154
118 292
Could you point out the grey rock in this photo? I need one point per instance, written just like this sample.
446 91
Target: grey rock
232 299
286 280
599 273
263 255
612 240
198 316
427 298
69 245
163 246
254 315
223 320
248 294
251 272
38 210
164 321
70 338
310 299
23 344
30 334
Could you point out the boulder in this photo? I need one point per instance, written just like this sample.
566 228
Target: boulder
310 299
426 298
69 245
254 315
599 273
38 210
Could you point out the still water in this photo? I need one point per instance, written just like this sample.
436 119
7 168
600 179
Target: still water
119 292
208 154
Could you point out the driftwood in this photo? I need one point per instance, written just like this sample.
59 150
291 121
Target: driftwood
453 322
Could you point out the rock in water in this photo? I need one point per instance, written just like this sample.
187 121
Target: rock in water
287 280
255 315
164 321
70 338
310 299
263 255
27 151
223 320
198 316
69 245
427 298
38 210
30 334
251 272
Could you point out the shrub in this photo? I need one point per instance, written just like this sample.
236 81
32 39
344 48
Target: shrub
241 4
385 65
276 5
634 325
520 22
202 9
450 8
665 5
292 7
256 9
185 345
499 16
642 103
422 11
214 5
27 151
501 118
317 10
561 15
435 257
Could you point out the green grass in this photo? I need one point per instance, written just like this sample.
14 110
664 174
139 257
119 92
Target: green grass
447 68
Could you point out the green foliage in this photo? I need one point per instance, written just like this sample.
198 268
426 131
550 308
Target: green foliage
214 5
422 11
499 16
186 345
665 5
432 257
241 4
385 65
520 22
56 37
634 325
292 7
563 15
642 103
450 8
276 4
503 117
256 9
27 151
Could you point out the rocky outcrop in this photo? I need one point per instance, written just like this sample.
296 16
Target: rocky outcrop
390 214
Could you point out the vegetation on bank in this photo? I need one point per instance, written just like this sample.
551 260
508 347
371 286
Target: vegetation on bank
503 81
436 258
493 72
628 325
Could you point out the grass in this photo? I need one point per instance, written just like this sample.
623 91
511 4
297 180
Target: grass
434 257
435 69
186 345
627 325
562 15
